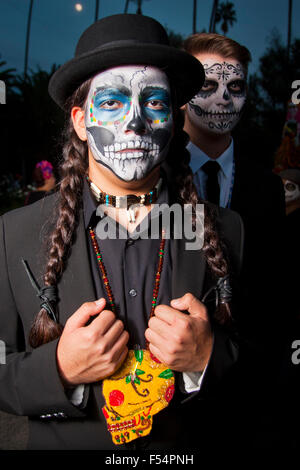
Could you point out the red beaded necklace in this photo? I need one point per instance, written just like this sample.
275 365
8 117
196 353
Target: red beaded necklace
125 383
103 272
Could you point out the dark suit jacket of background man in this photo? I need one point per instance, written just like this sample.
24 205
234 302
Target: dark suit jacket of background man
258 196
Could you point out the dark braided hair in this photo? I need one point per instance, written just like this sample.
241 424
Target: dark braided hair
72 170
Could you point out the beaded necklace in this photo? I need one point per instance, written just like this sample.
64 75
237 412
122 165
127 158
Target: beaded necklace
130 202
143 385
103 272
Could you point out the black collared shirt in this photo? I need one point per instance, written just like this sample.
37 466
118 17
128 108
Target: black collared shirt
131 265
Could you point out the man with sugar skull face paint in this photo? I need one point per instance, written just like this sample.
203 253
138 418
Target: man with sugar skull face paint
225 176
121 316
212 114
129 120
217 107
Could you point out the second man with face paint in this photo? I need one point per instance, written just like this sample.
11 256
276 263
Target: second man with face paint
225 177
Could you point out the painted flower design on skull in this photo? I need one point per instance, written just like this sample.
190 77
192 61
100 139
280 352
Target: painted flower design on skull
217 107
129 119
138 390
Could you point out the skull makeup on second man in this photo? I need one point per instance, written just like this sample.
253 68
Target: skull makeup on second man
129 119
218 105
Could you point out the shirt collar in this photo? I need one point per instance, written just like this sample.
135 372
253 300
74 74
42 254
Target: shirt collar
198 158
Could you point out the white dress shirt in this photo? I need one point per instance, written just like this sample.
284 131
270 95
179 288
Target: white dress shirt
225 178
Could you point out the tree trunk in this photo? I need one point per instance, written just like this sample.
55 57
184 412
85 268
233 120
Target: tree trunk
212 24
97 10
27 38
126 6
289 28
194 16
139 8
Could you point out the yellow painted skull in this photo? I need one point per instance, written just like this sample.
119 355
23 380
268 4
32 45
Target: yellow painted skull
140 388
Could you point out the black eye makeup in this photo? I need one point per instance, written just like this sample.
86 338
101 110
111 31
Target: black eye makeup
209 85
208 88
237 87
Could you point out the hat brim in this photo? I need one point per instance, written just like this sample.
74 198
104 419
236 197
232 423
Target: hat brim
184 71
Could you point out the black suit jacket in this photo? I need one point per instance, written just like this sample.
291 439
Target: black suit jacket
258 197
30 383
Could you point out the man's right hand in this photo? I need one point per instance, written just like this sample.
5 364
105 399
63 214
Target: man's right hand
90 353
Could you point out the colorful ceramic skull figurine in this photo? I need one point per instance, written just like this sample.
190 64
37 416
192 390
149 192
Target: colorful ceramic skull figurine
142 387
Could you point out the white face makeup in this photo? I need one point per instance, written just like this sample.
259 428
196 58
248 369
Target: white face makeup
129 119
291 191
218 105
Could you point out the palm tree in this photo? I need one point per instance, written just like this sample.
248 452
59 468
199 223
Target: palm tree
226 15
7 74
212 23
194 16
27 37
96 10
289 28
175 39
139 6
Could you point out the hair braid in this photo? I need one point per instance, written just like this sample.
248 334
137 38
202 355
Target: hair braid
72 169
185 192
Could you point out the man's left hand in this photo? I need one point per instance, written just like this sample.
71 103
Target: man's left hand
183 342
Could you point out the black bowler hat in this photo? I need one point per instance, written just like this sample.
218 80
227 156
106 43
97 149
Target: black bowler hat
127 40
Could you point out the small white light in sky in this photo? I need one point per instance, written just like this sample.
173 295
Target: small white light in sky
78 6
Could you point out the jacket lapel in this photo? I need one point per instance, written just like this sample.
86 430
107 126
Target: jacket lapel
76 285
188 270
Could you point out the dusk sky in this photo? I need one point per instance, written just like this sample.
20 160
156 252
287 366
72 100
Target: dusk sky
56 25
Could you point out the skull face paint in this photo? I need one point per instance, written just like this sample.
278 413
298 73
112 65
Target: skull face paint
291 191
129 119
218 105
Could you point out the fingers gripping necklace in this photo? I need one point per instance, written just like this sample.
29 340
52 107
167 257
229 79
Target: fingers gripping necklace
130 202
143 385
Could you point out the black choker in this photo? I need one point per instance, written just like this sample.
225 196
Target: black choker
125 202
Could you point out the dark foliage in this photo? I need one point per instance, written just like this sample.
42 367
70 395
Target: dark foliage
260 129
